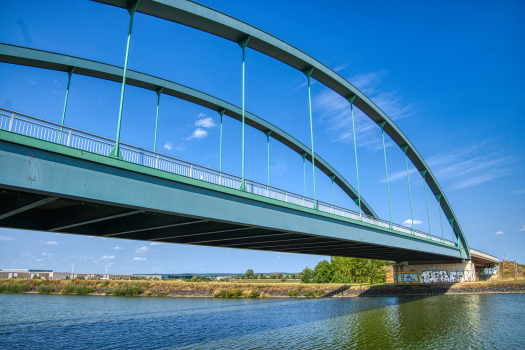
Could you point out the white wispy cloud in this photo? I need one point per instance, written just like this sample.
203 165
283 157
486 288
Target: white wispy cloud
168 146
142 250
48 242
38 259
201 115
409 222
108 257
470 166
205 123
520 192
523 228
341 67
47 254
198 134
462 167
140 259
401 175
278 168
6 238
499 233
180 147
117 248
156 243
335 111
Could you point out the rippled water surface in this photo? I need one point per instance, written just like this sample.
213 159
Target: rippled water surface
437 322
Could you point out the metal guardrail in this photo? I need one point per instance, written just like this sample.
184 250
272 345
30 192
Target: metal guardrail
48 131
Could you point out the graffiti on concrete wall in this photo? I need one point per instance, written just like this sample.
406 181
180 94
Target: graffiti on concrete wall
433 276
407 277
488 271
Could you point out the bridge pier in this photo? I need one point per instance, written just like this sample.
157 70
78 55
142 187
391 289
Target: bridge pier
434 272
482 267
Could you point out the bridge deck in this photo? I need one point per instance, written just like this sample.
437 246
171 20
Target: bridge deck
51 187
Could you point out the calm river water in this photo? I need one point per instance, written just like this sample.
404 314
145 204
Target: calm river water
88 322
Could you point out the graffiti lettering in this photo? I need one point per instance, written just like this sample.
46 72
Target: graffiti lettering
408 277
429 276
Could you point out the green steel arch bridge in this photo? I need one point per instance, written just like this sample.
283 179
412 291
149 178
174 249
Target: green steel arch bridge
59 179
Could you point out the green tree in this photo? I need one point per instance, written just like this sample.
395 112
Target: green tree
307 275
273 276
280 275
323 272
249 275
353 270
294 276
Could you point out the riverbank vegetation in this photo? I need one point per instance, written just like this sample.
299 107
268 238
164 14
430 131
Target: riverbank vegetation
346 270
248 290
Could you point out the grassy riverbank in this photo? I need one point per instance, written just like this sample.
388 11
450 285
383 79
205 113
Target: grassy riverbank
248 290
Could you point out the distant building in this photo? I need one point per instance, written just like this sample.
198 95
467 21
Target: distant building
152 276
49 274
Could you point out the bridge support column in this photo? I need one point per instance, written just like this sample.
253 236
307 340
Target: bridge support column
438 197
158 91
424 173
382 125
304 171
435 272
221 113
405 149
351 100
69 73
332 177
308 74
116 151
242 43
268 133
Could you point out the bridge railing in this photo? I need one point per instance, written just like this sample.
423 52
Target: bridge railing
44 130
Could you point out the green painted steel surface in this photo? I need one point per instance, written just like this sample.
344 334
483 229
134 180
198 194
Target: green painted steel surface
351 100
382 125
221 113
438 197
268 133
69 73
405 148
201 17
64 172
242 43
131 9
48 60
303 155
423 173
308 73
159 92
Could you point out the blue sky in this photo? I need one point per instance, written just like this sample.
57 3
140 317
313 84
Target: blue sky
450 75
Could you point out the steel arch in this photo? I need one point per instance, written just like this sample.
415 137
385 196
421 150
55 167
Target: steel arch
204 18
54 61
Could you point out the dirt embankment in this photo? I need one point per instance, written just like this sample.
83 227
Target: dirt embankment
249 290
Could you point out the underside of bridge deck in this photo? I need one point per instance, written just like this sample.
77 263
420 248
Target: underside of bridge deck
21 209
53 188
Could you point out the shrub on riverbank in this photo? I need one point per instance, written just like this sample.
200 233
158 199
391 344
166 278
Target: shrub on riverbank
227 293
127 290
251 293
46 289
293 293
14 288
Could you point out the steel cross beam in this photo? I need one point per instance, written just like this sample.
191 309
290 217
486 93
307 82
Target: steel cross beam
28 206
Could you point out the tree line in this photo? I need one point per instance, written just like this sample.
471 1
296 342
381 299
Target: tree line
337 270
346 270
